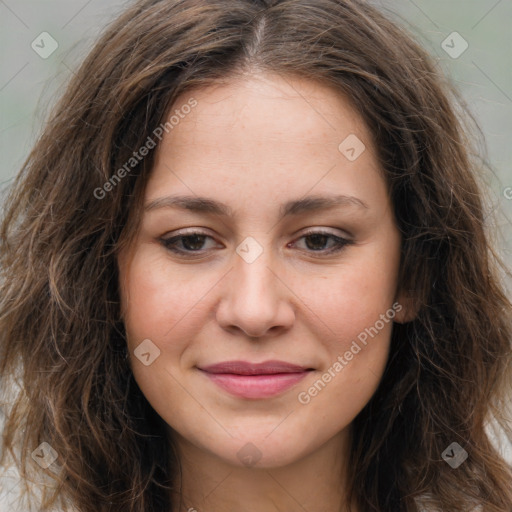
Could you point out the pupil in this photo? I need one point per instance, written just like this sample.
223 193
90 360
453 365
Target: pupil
197 242
316 238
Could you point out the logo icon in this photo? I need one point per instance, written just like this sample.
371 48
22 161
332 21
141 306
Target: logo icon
249 455
249 250
352 147
44 455
454 45
454 455
147 352
44 45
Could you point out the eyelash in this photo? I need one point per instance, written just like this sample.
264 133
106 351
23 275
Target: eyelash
170 243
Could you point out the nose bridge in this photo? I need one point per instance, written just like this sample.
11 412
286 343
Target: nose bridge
254 300
254 281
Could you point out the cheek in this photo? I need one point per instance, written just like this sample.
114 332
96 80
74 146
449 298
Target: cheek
350 300
163 307
356 356
355 307
158 302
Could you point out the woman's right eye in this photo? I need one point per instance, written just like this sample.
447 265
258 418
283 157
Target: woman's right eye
191 243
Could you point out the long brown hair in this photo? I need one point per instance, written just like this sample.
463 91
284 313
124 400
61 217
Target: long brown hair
61 336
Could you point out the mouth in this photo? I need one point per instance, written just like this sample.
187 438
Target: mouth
255 380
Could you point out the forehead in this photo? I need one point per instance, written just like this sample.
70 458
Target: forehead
277 109
266 134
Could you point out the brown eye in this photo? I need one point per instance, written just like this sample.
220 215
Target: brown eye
316 241
192 244
188 243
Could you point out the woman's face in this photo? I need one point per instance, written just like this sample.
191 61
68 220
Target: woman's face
281 246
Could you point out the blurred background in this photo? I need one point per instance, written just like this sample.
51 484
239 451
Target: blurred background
43 42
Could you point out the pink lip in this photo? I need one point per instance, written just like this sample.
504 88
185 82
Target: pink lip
255 380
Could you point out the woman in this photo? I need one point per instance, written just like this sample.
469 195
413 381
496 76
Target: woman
245 268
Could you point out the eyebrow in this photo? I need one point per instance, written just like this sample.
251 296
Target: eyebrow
291 208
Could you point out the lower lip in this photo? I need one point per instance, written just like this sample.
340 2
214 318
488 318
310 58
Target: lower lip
256 386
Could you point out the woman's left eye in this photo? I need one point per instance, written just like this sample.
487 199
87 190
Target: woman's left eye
194 242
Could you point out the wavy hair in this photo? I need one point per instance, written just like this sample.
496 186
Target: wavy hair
62 341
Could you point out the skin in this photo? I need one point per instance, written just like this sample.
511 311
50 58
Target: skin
254 143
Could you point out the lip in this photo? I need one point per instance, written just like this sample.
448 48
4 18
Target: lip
255 380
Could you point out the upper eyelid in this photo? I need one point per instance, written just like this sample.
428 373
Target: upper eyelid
319 230
341 240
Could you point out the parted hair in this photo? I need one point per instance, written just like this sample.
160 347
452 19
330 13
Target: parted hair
62 339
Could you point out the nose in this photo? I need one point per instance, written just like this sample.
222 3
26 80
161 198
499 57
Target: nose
256 299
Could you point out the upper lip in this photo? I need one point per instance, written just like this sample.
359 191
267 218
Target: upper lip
245 368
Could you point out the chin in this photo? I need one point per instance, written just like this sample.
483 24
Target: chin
266 451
